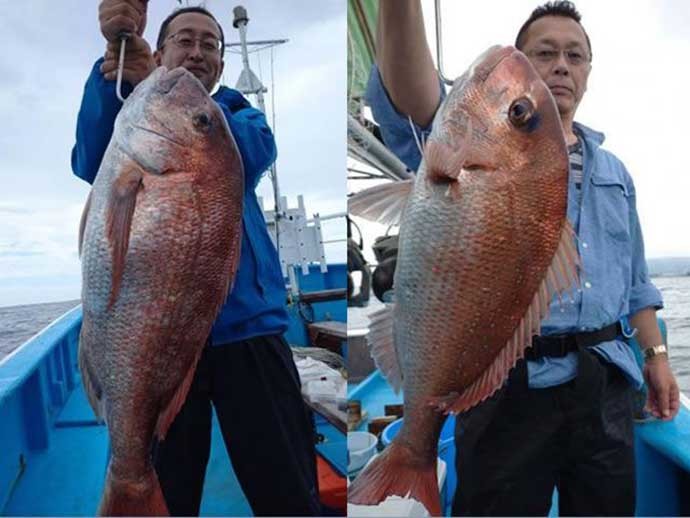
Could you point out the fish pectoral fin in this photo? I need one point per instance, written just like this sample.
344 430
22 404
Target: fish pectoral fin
560 277
383 203
382 346
444 164
119 212
82 222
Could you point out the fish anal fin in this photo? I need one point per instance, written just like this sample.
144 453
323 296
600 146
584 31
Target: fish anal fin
383 203
119 212
167 416
394 472
82 222
382 346
565 262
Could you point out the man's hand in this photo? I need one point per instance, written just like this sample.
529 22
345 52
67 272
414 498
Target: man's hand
663 397
117 16
139 61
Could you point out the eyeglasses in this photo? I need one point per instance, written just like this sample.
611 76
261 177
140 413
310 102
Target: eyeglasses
186 41
545 55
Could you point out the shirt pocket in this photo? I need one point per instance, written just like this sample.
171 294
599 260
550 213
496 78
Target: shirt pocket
611 201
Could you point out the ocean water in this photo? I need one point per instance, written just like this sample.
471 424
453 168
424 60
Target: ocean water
19 323
676 314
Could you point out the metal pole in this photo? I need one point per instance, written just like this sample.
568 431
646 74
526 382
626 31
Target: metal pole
240 22
370 148
439 43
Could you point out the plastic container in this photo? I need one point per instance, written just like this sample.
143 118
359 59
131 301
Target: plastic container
361 446
446 451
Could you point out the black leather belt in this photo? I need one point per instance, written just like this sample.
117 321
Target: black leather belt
558 346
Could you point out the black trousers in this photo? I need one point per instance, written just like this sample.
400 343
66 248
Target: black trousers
513 449
268 431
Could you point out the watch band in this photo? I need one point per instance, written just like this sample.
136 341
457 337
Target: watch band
655 350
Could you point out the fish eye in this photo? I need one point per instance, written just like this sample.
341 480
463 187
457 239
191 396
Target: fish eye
202 121
520 112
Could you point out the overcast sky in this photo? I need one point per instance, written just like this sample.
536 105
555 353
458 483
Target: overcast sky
49 48
637 93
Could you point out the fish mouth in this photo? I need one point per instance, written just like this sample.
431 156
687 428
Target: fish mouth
486 63
159 134
168 80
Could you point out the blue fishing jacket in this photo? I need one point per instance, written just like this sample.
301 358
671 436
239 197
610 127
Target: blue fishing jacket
614 278
257 303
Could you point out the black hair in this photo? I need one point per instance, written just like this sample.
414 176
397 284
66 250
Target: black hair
562 8
163 32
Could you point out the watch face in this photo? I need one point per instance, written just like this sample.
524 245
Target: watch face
651 352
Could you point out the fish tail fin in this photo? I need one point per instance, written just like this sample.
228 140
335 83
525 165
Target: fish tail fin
142 497
397 472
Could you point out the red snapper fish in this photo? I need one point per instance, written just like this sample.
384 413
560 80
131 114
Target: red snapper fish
159 243
484 246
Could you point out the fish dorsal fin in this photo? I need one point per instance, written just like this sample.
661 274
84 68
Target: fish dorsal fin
443 164
383 203
382 346
82 222
119 212
560 277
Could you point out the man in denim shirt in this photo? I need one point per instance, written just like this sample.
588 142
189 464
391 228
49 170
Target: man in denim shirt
564 419
246 370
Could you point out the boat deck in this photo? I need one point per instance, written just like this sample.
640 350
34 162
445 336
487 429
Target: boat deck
67 479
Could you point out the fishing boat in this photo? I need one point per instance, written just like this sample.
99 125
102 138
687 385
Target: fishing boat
55 452
662 448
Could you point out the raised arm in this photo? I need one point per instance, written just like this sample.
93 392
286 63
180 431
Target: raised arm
99 108
99 105
404 60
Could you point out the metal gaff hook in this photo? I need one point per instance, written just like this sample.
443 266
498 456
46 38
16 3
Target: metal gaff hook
124 36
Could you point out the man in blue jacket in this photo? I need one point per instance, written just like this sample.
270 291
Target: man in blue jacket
564 419
246 369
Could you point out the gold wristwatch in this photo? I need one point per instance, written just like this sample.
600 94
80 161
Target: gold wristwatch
655 350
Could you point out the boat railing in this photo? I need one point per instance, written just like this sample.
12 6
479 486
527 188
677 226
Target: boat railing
35 382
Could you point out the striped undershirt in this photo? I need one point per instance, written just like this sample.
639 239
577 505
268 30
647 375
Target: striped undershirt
575 158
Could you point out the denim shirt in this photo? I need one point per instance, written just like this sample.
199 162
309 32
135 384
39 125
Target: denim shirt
614 282
256 305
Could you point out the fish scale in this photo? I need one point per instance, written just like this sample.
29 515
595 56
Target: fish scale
483 226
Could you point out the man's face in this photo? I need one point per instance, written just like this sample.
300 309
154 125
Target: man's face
189 43
557 47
